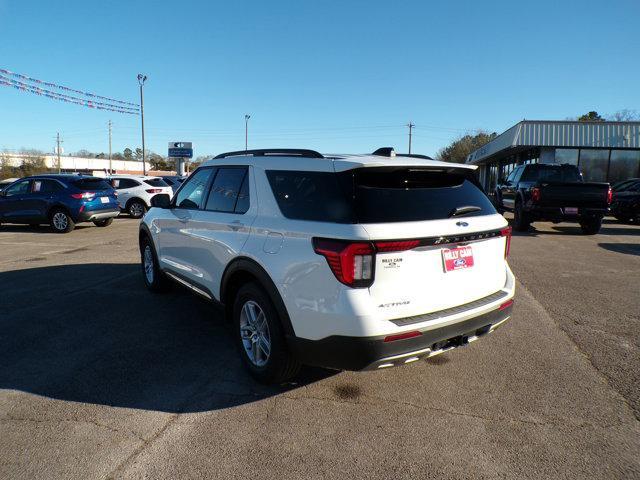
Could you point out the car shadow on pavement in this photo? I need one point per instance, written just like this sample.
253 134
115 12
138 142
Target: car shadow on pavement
627 248
92 333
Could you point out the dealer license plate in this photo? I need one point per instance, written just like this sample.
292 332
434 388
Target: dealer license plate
571 211
457 258
104 199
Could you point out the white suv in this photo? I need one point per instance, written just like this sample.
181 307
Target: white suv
347 262
136 191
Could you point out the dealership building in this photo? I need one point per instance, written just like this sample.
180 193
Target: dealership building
603 151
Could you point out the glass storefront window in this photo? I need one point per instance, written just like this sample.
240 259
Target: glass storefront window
567 155
624 164
593 165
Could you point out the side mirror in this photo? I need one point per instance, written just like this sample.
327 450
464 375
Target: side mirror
3 193
161 200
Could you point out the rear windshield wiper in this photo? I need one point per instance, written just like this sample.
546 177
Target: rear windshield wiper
459 211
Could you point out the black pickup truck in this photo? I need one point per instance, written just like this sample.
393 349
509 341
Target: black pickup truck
555 193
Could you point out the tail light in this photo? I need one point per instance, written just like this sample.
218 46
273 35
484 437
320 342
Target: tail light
153 190
535 194
350 262
506 232
609 196
83 195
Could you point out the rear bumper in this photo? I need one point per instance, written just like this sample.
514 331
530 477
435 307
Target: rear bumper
370 353
95 215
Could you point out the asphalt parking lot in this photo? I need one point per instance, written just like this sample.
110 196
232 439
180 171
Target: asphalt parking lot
100 379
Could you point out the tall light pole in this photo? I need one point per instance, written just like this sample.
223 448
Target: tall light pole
246 132
141 79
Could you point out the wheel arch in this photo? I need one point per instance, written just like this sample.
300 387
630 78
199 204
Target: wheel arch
133 199
243 270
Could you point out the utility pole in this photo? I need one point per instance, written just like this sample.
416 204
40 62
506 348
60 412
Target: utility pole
141 79
110 169
58 141
246 131
410 125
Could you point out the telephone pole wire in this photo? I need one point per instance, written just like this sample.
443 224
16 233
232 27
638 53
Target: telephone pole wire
110 168
410 125
58 141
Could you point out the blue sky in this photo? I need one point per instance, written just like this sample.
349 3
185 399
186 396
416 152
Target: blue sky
336 76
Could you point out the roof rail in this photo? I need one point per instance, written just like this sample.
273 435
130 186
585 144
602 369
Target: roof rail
290 152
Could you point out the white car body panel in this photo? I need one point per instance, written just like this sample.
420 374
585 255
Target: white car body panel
200 244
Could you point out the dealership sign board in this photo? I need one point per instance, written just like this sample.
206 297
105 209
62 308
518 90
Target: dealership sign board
180 149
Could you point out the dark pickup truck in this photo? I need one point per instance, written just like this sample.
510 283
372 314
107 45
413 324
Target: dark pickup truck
553 192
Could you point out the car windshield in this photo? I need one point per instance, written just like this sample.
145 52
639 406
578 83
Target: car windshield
90 184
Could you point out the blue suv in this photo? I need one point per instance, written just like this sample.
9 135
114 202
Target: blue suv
59 200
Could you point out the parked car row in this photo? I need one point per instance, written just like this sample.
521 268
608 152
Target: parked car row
63 200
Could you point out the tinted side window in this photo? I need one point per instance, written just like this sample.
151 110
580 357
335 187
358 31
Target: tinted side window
517 173
313 196
192 192
46 186
225 190
121 183
18 188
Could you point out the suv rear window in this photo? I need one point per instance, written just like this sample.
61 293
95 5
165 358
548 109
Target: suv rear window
156 182
376 195
90 184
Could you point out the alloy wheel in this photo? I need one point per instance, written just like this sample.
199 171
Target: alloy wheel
255 334
60 221
148 264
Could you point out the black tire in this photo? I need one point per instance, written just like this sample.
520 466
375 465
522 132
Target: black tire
521 221
136 209
280 365
61 221
156 281
103 223
591 227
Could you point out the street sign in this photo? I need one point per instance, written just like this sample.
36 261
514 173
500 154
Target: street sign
181 149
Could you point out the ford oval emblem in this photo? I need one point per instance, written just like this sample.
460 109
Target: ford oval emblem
462 224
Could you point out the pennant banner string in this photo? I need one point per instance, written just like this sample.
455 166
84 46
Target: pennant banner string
46 93
61 87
